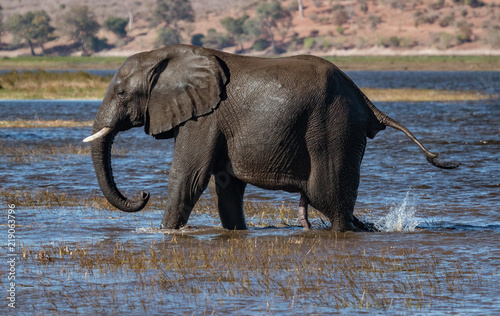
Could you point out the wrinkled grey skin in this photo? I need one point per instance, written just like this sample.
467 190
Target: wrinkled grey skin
297 124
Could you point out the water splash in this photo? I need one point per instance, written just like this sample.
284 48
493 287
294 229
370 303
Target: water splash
400 218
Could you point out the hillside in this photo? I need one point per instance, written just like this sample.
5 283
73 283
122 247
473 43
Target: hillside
329 27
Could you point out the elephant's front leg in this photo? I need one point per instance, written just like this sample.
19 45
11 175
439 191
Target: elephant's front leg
184 189
303 216
189 174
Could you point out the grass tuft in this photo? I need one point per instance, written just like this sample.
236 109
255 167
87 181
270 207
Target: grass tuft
44 124
52 85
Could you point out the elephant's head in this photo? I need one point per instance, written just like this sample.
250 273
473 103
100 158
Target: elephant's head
159 90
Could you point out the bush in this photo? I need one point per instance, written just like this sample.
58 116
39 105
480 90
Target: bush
309 42
437 5
166 37
464 32
394 41
340 15
197 39
217 40
493 37
374 20
324 43
261 44
397 42
447 20
97 44
116 25
443 40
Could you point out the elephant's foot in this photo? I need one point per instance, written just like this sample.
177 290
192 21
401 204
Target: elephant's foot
367 227
303 216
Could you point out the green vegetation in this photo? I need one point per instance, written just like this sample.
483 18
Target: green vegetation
52 85
60 63
116 25
80 24
32 26
216 40
44 124
236 28
171 13
419 95
417 63
455 23
438 63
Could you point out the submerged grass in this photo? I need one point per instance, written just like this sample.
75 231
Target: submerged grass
81 85
319 272
259 214
316 271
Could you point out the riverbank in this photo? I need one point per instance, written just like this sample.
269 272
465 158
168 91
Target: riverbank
382 63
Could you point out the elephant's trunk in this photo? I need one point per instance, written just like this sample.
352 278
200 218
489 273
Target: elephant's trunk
101 157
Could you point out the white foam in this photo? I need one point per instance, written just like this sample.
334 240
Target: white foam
400 218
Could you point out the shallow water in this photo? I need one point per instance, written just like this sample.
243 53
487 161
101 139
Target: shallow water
427 214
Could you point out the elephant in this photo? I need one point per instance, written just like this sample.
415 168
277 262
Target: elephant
297 124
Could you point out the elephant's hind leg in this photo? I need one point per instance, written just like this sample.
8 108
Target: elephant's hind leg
368 227
303 216
230 192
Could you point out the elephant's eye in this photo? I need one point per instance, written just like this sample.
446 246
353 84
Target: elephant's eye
121 93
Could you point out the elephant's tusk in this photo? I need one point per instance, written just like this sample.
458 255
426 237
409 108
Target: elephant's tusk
103 132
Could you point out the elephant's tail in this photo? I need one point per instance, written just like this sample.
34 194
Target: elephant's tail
433 158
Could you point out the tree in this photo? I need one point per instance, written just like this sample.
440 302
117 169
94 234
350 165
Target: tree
116 25
235 27
270 14
340 15
171 12
32 26
79 24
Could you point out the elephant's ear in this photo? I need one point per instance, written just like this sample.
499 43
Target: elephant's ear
186 82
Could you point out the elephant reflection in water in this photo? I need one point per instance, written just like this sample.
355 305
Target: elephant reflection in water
297 124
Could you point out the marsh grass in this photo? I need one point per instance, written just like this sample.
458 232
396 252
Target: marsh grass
43 152
422 95
81 85
52 85
29 154
258 214
44 124
417 63
318 271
